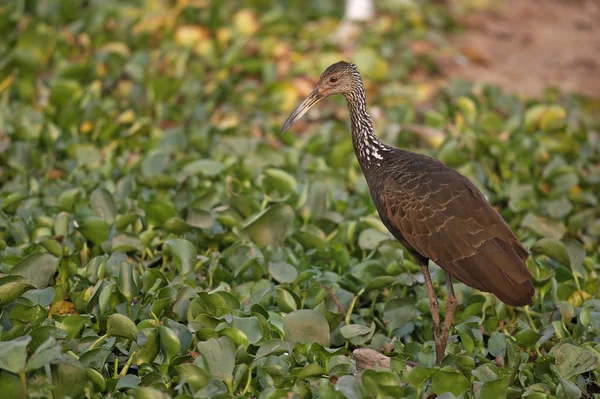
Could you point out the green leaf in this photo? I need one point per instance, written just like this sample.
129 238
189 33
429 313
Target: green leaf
37 268
169 342
119 325
219 354
370 239
283 272
13 354
495 388
271 226
12 287
271 347
572 360
69 378
94 229
127 382
306 326
206 167
449 380
193 375
128 281
419 375
104 205
45 354
251 326
184 253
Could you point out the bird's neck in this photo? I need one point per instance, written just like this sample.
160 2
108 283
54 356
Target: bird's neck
369 150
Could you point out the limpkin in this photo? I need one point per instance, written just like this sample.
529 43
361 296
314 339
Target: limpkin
435 212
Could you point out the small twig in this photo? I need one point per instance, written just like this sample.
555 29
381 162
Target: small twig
334 298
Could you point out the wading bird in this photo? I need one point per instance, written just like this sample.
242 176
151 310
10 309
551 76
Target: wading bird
435 212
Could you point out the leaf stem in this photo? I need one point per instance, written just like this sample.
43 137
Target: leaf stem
247 387
126 367
351 308
96 342
23 378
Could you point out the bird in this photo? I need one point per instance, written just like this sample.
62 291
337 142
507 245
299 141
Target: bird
435 212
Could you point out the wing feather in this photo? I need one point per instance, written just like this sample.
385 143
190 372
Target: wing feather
442 216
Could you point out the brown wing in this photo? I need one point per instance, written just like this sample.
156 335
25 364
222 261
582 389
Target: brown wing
445 218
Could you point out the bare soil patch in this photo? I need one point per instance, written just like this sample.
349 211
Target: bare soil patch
525 46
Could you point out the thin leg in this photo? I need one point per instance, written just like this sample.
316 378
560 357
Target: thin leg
434 307
450 308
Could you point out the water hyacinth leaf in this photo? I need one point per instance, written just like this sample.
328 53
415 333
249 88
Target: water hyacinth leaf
128 381
552 248
129 281
124 242
449 380
271 347
149 350
37 268
104 204
206 167
370 239
306 325
94 229
572 360
419 375
271 226
119 325
11 386
494 388
193 375
283 272
95 358
45 354
13 354
149 393
220 356
69 378
96 378
12 287
169 342
544 227
251 326
184 254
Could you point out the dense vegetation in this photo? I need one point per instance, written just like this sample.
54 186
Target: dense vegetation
159 237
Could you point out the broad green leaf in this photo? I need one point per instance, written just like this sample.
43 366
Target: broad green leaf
45 354
119 325
37 268
306 326
572 360
94 229
69 378
220 356
271 226
128 281
449 380
12 287
184 253
104 205
169 342
283 272
13 354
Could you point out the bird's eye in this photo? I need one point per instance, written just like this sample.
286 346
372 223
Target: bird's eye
333 79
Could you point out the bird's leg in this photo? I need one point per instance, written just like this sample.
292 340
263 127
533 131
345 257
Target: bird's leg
434 308
450 307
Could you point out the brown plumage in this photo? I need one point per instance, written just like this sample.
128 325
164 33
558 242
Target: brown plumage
439 214
433 210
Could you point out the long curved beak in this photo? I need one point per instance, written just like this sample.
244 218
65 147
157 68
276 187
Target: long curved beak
301 109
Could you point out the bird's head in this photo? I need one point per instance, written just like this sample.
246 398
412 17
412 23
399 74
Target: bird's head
339 78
